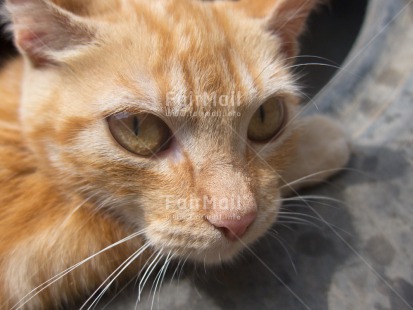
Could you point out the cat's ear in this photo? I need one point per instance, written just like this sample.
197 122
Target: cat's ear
284 18
44 32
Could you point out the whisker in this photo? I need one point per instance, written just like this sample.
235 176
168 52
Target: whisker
325 171
141 271
306 106
120 291
143 267
276 237
182 267
74 211
131 260
158 278
286 225
309 176
313 64
295 216
299 213
310 217
116 274
175 271
291 222
148 272
296 220
313 56
273 273
313 198
37 290
164 273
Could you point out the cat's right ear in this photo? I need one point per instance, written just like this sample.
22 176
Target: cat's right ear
45 33
285 19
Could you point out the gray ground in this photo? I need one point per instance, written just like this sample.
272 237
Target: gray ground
357 252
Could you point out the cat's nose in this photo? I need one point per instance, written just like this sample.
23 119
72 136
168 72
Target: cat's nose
233 226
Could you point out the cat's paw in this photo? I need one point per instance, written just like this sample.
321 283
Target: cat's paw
323 149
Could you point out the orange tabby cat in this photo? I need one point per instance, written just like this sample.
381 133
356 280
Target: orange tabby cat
133 131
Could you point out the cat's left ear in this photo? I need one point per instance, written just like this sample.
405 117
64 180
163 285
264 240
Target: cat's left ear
46 33
284 18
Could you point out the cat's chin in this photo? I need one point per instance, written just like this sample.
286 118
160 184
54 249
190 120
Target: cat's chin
217 256
221 253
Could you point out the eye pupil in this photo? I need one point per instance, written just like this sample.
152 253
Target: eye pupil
262 114
135 126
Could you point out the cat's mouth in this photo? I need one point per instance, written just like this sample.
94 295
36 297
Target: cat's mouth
214 255
212 247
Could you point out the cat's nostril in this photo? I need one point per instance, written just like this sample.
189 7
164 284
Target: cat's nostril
233 227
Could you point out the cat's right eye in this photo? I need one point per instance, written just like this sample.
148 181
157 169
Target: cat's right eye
142 134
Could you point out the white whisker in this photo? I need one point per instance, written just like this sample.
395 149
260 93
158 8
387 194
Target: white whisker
120 291
143 269
296 214
312 56
274 274
148 272
182 266
310 176
313 198
276 237
116 272
167 265
74 211
296 220
175 271
37 290
159 276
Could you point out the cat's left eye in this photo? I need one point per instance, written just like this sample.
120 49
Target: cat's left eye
267 121
142 134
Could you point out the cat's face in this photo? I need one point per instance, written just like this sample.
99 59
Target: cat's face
176 117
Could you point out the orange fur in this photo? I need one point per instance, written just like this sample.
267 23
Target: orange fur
32 219
69 190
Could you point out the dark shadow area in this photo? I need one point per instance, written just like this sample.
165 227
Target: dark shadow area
331 34
7 49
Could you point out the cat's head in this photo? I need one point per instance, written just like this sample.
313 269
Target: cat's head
174 116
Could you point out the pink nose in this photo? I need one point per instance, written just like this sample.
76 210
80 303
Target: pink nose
233 226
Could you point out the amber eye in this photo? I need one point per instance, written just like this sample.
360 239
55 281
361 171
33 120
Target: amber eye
267 121
141 134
